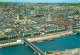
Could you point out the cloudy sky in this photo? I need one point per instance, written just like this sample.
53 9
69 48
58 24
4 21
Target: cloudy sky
44 1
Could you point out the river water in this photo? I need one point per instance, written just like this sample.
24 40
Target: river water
17 50
61 44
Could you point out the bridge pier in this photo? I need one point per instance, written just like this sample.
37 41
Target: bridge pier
39 54
34 53
26 45
45 53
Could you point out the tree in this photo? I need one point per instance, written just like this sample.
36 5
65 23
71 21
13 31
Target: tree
77 12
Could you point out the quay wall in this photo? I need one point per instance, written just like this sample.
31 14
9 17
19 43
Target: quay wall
10 44
61 34
50 36
75 51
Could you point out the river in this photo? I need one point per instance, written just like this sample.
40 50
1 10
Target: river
69 42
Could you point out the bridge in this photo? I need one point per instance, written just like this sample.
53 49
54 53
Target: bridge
35 48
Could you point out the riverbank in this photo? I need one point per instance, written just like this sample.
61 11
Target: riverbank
11 43
46 37
51 36
75 51
55 52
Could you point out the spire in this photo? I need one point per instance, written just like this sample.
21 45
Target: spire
17 20
17 17
25 12
25 18
49 18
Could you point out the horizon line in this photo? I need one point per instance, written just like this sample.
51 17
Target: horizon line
39 2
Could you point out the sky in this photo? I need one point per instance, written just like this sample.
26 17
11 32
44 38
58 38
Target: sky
43 1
